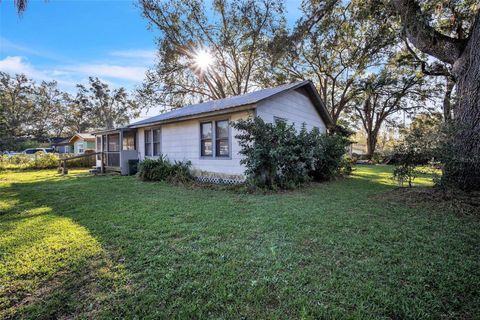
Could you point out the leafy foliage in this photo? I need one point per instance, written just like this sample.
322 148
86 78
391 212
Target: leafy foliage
235 34
29 110
43 161
276 156
162 169
421 145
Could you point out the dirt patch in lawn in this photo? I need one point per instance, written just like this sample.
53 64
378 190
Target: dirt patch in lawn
460 202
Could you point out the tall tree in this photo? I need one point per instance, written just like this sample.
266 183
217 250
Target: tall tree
48 111
16 98
337 51
462 52
110 108
392 91
79 111
208 56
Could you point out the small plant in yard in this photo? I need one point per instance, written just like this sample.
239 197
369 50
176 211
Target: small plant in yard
162 169
418 148
405 173
277 156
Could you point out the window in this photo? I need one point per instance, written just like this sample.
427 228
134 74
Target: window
206 147
129 140
148 142
114 142
221 139
156 142
215 143
80 147
279 119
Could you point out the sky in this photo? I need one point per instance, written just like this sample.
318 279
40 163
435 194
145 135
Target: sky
70 40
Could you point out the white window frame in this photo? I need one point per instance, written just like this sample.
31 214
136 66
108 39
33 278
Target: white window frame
159 141
80 147
149 132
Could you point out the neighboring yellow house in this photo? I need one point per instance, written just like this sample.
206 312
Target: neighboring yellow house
83 142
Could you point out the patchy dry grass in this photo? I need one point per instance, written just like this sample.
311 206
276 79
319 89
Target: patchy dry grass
103 247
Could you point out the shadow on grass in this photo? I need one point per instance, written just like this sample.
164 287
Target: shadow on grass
50 266
116 247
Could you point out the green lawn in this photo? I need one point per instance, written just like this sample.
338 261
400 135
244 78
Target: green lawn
102 247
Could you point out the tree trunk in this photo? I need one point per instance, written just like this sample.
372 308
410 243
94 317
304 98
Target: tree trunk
462 164
371 144
447 100
463 169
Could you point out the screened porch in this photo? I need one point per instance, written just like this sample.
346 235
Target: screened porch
116 148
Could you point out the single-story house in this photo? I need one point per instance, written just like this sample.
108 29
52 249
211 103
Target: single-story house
202 132
62 145
82 142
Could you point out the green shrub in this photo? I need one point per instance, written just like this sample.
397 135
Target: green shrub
42 160
163 170
405 173
328 153
276 156
345 167
419 147
180 172
84 162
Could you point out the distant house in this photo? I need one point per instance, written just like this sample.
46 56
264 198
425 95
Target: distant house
82 142
202 134
62 145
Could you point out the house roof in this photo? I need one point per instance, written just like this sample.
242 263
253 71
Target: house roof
64 142
82 135
239 101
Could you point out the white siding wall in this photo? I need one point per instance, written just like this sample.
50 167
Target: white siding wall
181 141
294 106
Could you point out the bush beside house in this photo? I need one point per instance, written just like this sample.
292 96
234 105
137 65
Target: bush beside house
277 156
163 170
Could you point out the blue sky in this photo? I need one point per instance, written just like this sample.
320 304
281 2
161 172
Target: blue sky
70 40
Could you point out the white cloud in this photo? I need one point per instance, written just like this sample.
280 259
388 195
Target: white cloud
110 71
17 64
135 53
69 75
14 65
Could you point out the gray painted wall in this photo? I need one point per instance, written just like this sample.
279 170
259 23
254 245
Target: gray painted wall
181 140
294 106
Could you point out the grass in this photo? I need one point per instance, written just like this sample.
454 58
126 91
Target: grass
104 247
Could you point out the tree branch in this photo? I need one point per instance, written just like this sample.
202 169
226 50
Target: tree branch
424 37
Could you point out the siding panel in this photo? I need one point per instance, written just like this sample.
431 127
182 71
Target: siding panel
180 141
294 106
